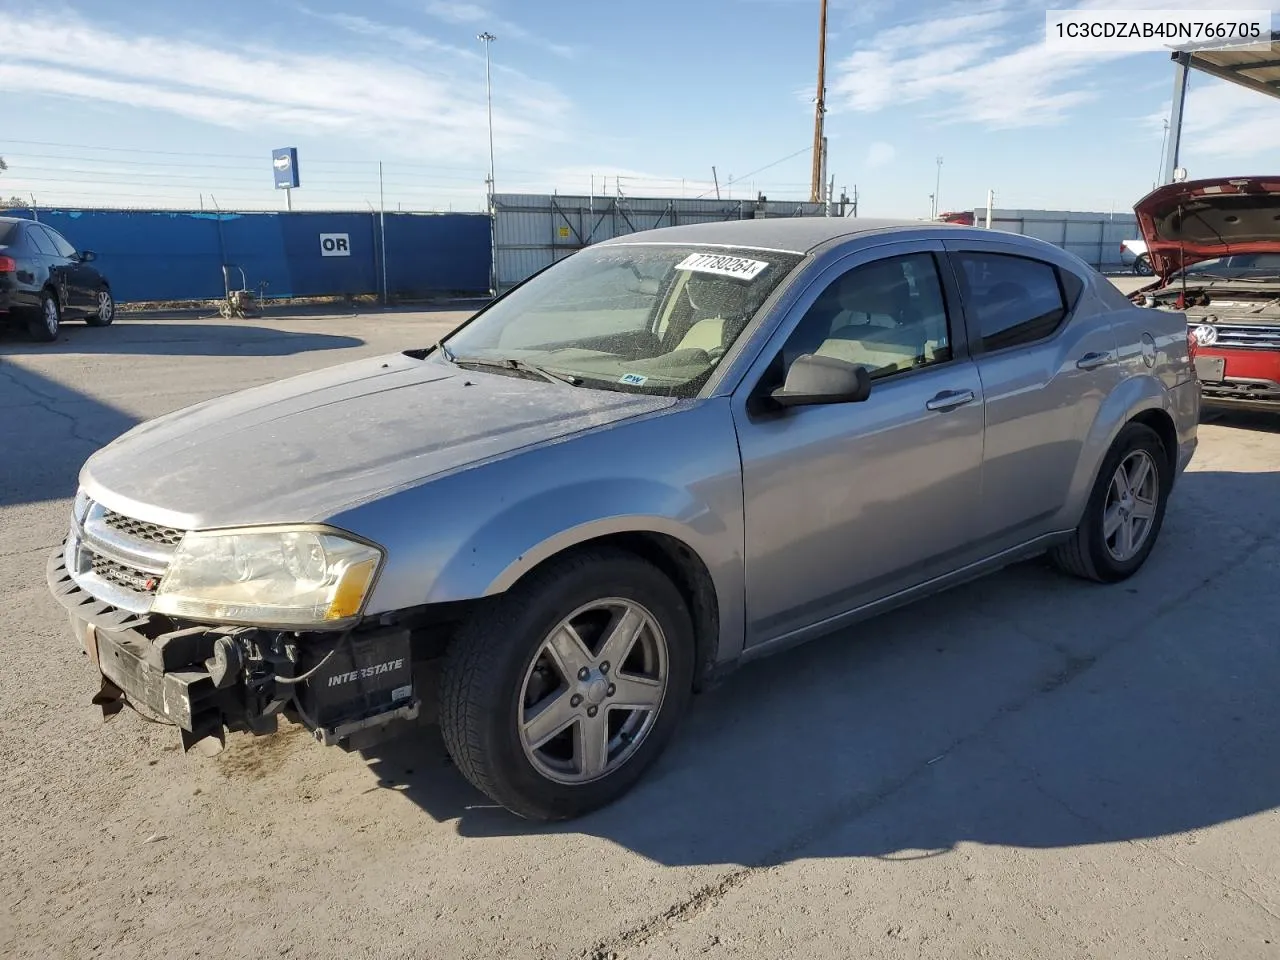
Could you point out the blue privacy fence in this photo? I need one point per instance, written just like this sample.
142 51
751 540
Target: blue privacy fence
167 255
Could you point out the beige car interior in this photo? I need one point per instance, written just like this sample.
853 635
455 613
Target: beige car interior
713 310
872 316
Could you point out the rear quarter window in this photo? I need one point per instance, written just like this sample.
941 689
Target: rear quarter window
1014 300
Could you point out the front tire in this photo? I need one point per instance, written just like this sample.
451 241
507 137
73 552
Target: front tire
556 698
1125 510
106 310
45 325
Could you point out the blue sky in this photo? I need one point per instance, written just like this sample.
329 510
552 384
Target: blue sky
160 102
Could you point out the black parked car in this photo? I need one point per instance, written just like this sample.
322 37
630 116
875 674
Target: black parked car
45 280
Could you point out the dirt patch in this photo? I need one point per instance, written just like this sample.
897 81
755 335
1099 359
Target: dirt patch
254 757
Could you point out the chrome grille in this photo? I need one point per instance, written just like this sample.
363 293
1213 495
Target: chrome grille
135 581
141 530
1257 335
117 559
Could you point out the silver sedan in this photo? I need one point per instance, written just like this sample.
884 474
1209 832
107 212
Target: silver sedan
657 459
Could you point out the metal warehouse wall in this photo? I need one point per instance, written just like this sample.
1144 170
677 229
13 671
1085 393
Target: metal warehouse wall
166 255
1093 237
533 231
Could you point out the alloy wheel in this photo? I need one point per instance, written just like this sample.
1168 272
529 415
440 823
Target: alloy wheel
1130 506
593 691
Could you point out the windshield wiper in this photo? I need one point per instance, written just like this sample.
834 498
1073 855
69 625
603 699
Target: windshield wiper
511 363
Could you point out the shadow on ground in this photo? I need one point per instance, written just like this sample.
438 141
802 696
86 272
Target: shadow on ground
47 433
185 339
1140 710
1262 420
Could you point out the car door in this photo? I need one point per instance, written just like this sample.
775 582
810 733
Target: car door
847 503
56 266
53 265
82 279
1044 371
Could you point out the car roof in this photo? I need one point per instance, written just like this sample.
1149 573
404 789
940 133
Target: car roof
792 234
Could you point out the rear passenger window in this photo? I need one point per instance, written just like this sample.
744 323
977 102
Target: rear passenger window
1013 300
40 240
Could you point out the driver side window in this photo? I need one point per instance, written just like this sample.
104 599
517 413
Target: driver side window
888 315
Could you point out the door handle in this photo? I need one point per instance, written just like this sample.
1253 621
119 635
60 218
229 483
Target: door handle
949 400
1091 361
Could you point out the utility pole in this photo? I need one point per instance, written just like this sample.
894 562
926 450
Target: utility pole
716 180
817 186
487 39
991 202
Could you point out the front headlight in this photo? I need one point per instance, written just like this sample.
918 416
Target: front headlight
283 576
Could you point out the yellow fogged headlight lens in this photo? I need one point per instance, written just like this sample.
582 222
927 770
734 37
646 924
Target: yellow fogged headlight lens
287 577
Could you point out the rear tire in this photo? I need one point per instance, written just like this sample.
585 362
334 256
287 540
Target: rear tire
44 326
1119 530
503 672
106 310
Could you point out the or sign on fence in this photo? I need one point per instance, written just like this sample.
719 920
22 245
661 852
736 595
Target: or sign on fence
335 245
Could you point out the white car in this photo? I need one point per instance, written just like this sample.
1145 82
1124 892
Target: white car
1134 254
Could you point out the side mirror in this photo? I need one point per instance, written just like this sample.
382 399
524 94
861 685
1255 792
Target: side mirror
813 380
86 256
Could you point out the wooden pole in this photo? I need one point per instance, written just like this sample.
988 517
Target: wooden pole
817 187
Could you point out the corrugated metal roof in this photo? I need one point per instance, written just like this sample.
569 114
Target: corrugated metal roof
1258 70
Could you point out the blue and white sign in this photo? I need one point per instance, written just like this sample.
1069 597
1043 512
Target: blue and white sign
284 165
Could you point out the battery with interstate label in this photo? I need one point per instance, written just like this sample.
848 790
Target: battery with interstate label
368 674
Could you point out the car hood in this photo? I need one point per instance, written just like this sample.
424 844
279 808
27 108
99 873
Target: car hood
307 447
1184 223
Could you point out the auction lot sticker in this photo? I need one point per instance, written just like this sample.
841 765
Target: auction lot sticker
725 266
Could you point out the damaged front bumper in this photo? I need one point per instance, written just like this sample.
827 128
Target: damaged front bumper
350 689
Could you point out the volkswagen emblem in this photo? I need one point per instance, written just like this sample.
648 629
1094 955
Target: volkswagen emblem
1205 335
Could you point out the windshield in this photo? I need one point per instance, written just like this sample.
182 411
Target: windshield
632 317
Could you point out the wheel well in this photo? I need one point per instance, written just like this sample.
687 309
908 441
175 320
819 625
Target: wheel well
685 569
1162 424
50 289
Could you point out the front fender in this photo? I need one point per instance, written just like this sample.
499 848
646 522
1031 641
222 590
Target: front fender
475 533
533 530
1133 396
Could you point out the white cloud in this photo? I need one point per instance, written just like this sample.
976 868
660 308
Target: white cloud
423 110
482 18
879 154
1225 127
983 63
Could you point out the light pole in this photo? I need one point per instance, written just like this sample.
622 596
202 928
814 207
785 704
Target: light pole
487 39
937 191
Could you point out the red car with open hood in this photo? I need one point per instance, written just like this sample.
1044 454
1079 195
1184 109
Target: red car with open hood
1215 250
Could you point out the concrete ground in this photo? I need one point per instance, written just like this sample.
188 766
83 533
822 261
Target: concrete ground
1027 766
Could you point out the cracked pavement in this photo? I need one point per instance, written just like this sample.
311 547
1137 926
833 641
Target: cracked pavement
1026 766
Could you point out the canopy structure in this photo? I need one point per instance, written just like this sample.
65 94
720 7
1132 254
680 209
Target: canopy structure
1255 68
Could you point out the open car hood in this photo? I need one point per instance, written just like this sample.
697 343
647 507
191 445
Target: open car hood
1184 223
